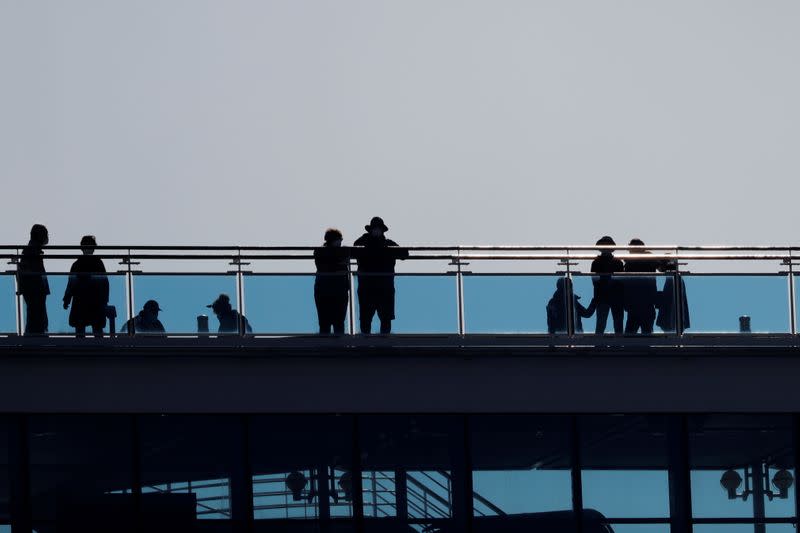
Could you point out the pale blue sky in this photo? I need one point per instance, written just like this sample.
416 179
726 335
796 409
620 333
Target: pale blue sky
460 121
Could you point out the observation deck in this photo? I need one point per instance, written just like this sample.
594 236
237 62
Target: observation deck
484 410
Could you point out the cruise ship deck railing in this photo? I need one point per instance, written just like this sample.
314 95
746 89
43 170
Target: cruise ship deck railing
451 290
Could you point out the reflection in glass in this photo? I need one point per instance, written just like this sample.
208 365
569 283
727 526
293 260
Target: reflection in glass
423 304
521 464
717 302
301 468
734 455
184 297
407 464
624 465
503 303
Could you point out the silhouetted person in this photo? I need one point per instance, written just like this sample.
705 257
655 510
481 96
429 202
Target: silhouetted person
608 291
331 285
557 309
667 318
146 322
641 292
376 262
32 281
87 290
228 316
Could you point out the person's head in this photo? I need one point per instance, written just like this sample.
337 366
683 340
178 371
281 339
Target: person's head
151 308
221 305
605 241
39 234
636 242
333 237
376 227
88 244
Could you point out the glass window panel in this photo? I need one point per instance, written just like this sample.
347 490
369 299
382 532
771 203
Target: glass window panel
407 464
58 317
749 450
521 465
503 303
717 302
5 486
295 459
423 304
641 528
8 304
282 303
742 528
80 468
647 300
183 297
624 465
189 469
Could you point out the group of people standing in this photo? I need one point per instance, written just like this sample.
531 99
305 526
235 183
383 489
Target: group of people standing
637 294
87 290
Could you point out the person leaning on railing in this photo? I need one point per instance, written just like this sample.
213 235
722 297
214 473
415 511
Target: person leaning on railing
331 285
376 261
32 281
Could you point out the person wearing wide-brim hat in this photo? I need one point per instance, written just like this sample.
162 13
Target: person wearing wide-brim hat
228 316
608 292
376 263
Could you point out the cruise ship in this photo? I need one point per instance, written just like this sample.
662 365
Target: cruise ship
480 412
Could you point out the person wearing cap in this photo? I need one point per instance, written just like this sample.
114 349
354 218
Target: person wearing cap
228 317
376 258
641 292
331 284
87 291
32 281
146 322
608 292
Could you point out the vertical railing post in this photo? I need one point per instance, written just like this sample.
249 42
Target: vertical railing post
459 292
792 303
351 312
678 296
569 305
130 303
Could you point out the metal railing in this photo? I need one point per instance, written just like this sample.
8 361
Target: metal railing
242 265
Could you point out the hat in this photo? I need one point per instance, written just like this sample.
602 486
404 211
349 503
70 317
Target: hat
376 222
605 241
221 302
152 306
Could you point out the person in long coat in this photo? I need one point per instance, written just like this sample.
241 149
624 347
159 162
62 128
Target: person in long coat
32 281
87 291
331 285
376 262
641 292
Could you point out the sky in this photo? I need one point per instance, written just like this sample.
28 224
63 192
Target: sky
263 122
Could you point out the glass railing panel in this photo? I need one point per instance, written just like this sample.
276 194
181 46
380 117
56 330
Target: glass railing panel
285 303
423 303
85 306
726 303
183 298
513 303
8 304
624 303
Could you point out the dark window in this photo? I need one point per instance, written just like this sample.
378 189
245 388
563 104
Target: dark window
411 470
521 475
81 472
192 471
301 470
